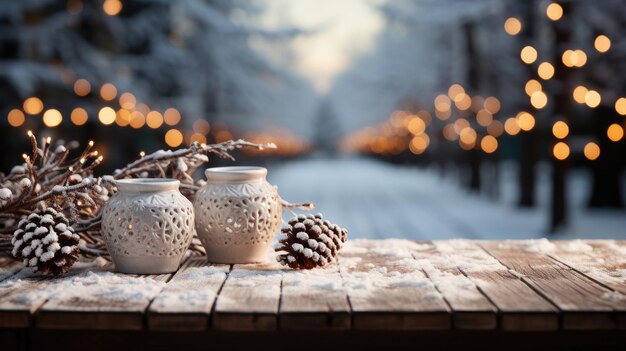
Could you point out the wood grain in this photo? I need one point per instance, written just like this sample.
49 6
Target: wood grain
314 300
114 306
470 308
8 267
520 308
186 302
387 290
249 299
583 303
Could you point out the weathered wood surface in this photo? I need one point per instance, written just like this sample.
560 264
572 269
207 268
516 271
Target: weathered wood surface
374 286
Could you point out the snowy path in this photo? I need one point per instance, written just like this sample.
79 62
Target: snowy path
376 200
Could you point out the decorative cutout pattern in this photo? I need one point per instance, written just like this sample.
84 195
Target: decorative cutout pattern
245 213
148 223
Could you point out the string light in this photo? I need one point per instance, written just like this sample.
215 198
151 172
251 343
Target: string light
52 118
592 151
142 153
512 26
602 43
16 118
560 151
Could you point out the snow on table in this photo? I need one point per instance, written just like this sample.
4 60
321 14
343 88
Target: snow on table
394 284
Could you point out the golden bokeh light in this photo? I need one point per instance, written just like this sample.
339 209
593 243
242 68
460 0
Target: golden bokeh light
443 115
511 127
554 11
579 94
512 26
82 87
574 58
495 128
442 103
593 98
539 100
620 106
484 118
463 102
52 118
560 151
492 104
455 90
449 133
173 138
545 70
419 144
122 117
416 126
460 124
154 119
477 103
33 105
532 86
602 43
197 137
16 117
108 91
127 101
526 121
560 130
592 151
468 136
489 144
202 126
615 132
137 120
112 7
528 54
106 115
79 116
171 116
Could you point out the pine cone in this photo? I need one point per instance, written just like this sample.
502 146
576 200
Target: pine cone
46 242
309 242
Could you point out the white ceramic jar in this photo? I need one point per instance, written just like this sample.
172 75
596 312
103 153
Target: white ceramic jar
237 214
147 226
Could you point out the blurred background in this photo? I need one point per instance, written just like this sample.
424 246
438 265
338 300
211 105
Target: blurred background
424 119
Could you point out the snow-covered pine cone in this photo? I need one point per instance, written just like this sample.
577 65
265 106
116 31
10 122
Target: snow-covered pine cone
46 242
309 241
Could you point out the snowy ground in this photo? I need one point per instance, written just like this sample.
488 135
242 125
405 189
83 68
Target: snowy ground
376 200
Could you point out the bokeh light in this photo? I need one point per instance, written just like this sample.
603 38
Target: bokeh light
137 119
511 127
526 121
560 130
528 54
33 105
82 87
108 91
592 151
512 26
579 94
560 151
154 119
173 138
592 98
602 43
615 132
545 70
532 86
16 117
106 115
554 11
539 99
52 118
171 116
79 116
127 101
620 106
112 7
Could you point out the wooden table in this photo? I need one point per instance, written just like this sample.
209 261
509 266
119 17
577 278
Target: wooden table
391 293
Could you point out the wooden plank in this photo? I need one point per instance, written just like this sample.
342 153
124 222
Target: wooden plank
582 302
520 308
314 300
9 267
387 290
249 299
100 300
601 260
470 308
186 302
